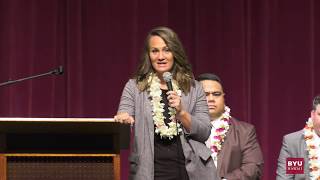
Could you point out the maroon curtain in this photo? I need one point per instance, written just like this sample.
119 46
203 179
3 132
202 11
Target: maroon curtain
265 52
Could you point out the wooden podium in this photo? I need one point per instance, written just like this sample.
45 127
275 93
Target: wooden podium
61 148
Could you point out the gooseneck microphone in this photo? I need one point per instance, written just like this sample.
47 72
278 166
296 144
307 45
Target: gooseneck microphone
167 76
57 71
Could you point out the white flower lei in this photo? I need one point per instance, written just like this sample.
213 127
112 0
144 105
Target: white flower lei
313 149
219 131
158 108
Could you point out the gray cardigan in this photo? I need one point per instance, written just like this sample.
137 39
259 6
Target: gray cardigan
199 163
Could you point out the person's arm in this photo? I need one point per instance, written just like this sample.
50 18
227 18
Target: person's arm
200 126
252 160
196 123
185 119
126 106
281 169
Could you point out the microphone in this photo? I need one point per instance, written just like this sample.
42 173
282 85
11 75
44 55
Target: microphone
167 76
58 71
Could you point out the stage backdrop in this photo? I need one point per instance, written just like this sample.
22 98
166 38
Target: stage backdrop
266 52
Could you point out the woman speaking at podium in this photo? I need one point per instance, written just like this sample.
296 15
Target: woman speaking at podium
168 112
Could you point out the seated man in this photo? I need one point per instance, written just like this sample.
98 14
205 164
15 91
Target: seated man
234 145
303 144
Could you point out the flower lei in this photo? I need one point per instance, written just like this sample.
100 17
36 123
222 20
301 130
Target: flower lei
219 131
313 149
158 108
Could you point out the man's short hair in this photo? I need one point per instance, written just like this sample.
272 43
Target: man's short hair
209 76
316 102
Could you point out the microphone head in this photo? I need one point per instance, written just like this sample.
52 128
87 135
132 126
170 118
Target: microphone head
58 71
167 76
61 70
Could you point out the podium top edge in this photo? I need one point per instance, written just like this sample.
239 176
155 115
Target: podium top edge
18 119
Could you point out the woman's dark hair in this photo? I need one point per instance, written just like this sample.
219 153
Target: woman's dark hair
181 70
209 76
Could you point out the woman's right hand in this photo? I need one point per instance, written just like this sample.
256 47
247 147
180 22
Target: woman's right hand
124 117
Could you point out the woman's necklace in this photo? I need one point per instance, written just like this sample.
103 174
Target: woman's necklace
173 128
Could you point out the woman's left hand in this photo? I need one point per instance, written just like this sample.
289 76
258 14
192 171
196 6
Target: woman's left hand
182 116
174 101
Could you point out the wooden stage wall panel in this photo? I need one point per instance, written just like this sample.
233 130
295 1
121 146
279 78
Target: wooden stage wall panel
60 168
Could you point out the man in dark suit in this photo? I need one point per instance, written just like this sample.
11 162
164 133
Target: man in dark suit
235 149
303 144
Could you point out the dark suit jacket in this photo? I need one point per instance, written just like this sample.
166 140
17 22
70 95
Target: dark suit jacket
240 156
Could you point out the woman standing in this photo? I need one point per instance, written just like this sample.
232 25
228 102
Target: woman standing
170 124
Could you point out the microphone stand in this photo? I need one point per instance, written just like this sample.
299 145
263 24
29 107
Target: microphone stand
57 71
